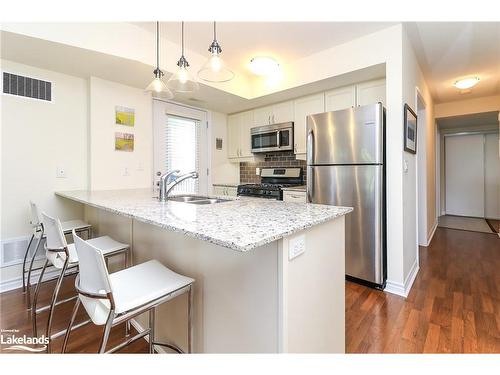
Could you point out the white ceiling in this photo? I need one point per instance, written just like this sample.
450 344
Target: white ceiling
285 41
448 51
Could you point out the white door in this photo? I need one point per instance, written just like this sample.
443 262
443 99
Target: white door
304 107
464 175
370 92
341 98
180 142
262 116
491 177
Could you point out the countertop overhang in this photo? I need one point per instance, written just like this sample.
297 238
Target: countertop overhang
239 224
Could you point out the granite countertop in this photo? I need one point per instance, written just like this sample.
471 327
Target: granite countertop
238 224
302 188
228 184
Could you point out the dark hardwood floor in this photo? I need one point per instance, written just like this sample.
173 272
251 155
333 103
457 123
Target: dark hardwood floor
453 307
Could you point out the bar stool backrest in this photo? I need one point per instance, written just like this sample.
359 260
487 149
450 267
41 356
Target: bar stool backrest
93 280
55 240
35 215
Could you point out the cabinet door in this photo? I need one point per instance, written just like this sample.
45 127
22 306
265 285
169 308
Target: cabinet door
282 112
302 108
341 98
219 190
232 191
370 92
233 136
246 123
262 116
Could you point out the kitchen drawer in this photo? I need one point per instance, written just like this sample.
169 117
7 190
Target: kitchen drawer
294 196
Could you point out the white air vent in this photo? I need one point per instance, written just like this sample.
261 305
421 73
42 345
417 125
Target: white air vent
26 86
12 251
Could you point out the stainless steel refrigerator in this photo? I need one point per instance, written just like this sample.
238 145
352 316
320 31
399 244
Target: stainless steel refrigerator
345 167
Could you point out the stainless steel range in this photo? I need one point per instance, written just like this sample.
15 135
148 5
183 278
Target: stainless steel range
272 182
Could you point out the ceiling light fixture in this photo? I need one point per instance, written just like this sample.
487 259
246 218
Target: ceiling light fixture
157 86
264 65
182 80
466 83
215 70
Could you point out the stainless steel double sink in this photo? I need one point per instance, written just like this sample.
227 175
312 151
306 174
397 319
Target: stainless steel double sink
196 199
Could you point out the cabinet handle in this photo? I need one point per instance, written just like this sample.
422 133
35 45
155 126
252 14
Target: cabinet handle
274 121
296 196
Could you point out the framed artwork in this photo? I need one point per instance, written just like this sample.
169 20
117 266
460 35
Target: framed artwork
124 142
124 116
410 124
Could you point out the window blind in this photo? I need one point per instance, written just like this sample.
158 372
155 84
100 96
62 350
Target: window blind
182 145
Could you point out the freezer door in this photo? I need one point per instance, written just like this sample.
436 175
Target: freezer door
349 136
360 187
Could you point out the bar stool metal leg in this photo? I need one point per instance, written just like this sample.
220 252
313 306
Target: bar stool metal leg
30 269
190 319
35 298
70 326
24 261
54 300
152 314
107 330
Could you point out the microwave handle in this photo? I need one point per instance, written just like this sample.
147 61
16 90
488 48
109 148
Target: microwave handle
279 138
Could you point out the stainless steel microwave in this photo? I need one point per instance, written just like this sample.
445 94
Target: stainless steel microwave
276 137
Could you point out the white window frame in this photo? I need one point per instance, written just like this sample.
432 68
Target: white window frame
160 110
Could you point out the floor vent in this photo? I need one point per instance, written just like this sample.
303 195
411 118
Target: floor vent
28 87
12 251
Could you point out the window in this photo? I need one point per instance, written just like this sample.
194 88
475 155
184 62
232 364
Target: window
182 151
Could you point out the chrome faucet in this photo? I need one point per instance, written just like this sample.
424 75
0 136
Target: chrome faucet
164 180
169 180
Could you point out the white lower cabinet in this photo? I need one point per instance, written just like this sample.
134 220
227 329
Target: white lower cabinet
294 196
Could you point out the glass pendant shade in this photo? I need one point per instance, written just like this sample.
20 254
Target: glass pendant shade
158 88
182 80
215 70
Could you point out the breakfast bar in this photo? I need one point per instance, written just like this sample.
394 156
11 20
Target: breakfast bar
269 274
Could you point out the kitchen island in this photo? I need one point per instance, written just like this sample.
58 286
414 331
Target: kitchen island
269 274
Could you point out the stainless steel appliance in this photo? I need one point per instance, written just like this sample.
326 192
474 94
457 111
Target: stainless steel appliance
272 181
345 167
276 137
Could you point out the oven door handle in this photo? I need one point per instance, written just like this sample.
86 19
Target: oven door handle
279 138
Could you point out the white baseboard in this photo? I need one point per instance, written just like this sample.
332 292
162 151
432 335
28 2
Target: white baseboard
140 329
431 235
403 289
17 282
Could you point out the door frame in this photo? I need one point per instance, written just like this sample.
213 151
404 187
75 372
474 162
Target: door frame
162 107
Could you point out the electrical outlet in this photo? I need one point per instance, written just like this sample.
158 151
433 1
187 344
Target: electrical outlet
257 171
296 246
60 172
126 172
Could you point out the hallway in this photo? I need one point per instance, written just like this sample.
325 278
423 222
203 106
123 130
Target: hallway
453 307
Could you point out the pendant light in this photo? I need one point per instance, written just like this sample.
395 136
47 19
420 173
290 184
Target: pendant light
157 86
215 70
182 80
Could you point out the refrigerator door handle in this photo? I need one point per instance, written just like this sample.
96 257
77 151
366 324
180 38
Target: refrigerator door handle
310 146
310 184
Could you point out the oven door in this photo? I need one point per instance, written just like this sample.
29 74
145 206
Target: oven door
271 140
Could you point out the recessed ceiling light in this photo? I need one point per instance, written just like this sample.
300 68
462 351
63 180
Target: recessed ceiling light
466 83
264 65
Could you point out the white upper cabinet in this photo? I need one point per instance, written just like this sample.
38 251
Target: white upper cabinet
370 92
341 98
308 105
282 112
238 135
274 114
262 116
246 121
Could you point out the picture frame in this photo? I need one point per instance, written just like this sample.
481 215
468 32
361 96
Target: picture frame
410 130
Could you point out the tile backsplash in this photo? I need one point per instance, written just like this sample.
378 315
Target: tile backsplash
272 159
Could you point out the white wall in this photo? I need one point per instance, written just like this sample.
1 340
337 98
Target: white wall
468 106
37 137
107 166
492 177
222 170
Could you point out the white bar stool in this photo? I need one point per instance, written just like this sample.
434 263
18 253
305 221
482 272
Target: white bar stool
111 299
63 256
38 232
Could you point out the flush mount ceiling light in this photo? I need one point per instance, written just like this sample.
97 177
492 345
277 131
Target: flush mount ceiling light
264 66
182 80
157 86
215 70
466 83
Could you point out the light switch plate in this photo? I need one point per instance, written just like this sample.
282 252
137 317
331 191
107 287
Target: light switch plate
296 246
